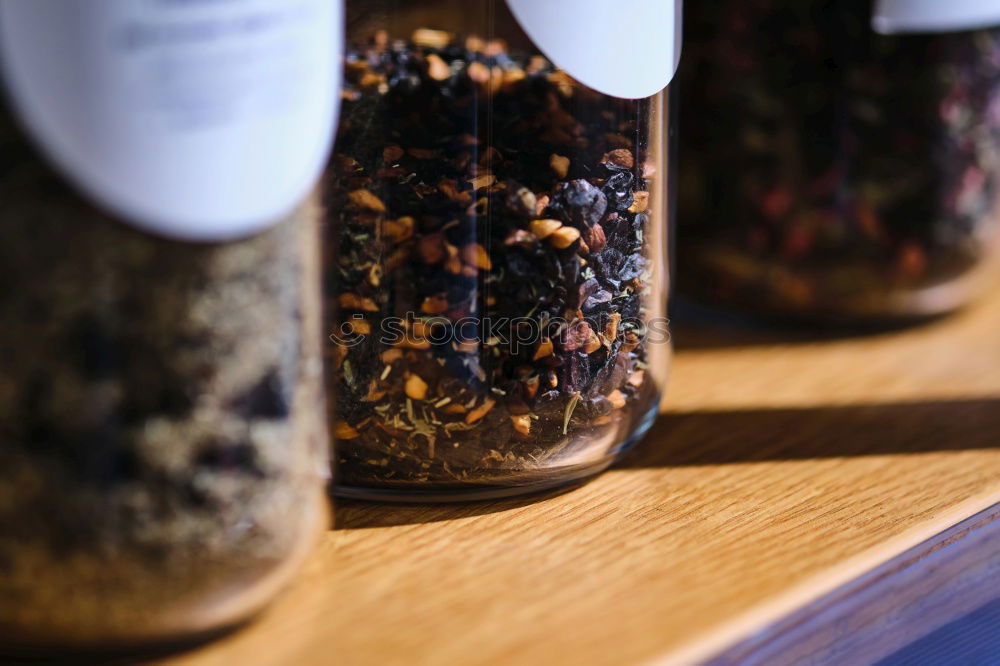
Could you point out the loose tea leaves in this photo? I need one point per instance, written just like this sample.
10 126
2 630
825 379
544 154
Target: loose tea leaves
160 427
488 267
829 169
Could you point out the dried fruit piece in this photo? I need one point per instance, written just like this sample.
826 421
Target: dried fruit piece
530 387
344 431
611 328
435 39
637 378
479 412
513 75
376 393
371 80
449 188
479 72
563 237
350 301
631 342
390 355
437 68
416 387
360 326
480 182
559 164
640 202
545 348
541 203
544 228
522 424
593 344
617 399
453 264
398 230
476 255
366 200
475 44
435 304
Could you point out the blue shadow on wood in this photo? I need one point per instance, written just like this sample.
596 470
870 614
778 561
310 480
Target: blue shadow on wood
973 640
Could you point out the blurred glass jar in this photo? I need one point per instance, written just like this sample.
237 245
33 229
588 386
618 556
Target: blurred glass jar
497 253
162 445
834 173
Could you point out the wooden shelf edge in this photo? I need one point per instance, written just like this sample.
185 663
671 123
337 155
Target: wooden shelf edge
714 646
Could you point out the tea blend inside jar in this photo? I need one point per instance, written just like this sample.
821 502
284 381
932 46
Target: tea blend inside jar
497 254
161 397
835 173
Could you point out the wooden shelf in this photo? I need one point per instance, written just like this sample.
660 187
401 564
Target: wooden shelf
794 485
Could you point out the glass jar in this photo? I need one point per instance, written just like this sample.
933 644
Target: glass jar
162 440
497 265
834 173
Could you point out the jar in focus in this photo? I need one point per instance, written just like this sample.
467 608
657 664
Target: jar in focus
162 431
497 265
835 173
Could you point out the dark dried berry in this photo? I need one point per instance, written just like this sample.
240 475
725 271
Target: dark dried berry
268 398
577 336
618 190
585 290
599 297
578 203
595 239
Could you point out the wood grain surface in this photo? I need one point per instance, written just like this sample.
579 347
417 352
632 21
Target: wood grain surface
786 468
895 614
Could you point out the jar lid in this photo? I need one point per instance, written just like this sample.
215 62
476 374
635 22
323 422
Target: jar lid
624 49
201 121
902 16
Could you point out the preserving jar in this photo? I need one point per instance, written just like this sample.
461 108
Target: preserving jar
832 172
162 440
497 266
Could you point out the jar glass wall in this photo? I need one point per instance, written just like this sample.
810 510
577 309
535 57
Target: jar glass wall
163 444
832 172
497 266
162 440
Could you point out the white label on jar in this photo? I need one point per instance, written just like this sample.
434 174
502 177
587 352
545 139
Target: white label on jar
200 120
624 48
898 16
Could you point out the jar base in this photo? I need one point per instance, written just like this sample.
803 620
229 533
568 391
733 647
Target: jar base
751 289
467 494
189 624
577 475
